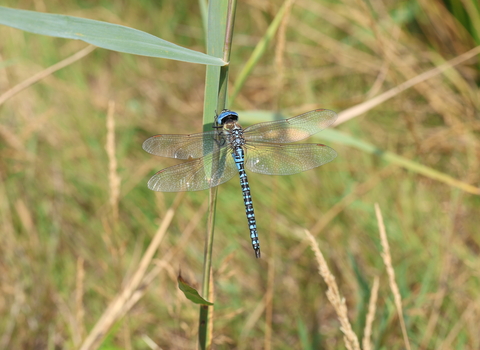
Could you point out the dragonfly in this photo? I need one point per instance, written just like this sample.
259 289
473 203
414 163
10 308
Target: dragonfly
217 156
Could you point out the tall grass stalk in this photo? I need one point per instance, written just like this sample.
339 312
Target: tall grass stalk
387 259
334 296
372 307
214 91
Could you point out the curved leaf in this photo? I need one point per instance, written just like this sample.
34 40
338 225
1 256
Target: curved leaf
191 293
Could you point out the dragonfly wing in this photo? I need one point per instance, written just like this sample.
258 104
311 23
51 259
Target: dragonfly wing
292 129
182 146
196 175
280 159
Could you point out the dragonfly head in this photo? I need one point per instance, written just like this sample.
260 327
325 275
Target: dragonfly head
227 116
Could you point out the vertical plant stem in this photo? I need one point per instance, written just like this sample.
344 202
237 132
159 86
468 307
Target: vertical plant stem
216 89
223 81
204 331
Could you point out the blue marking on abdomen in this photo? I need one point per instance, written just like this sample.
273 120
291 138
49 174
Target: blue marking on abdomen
239 159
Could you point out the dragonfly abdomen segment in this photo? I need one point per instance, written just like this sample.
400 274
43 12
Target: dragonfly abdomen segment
239 158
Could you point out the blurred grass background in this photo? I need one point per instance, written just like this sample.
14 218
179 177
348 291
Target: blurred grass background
64 256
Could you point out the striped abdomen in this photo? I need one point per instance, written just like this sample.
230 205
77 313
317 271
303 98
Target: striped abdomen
238 157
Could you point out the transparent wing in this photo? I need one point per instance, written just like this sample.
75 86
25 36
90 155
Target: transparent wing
292 129
182 146
195 175
280 159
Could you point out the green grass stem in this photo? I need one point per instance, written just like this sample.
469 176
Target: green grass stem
221 20
258 52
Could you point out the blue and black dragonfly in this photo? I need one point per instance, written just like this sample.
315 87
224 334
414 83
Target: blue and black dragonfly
220 154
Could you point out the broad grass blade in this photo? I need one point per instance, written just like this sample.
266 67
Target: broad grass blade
102 34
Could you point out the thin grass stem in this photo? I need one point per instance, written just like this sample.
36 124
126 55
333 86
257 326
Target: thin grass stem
259 50
113 177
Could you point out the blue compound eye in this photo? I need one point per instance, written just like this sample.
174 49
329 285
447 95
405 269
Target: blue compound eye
227 115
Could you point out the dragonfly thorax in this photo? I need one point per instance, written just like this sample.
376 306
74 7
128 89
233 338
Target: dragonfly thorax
234 134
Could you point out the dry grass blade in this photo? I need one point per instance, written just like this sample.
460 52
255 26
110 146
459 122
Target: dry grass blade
333 295
15 310
357 191
269 303
164 262
116 307
372 305
249 324
361 108
457 327
387 259
79 331
280 51
151 344
46 72
448 262
114 179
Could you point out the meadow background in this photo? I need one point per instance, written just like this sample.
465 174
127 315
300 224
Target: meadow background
65 252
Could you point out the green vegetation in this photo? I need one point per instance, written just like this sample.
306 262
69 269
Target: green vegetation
69 244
